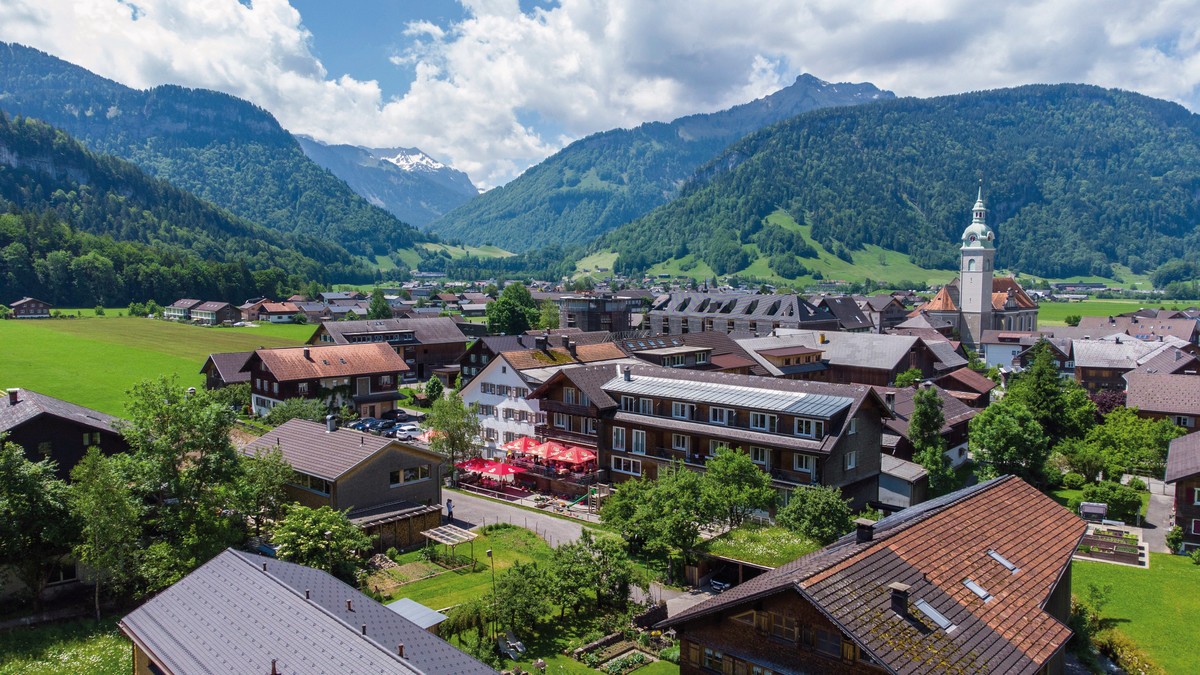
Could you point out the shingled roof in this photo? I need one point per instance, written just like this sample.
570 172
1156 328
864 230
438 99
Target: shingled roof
244 613
435 330
545 358
1183 457
31 404
310 448
954 411
1163 393
933 548
229 366
310 363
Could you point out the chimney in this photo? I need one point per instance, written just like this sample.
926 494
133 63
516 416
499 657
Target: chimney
274 670
571 347
364 629
307 355
628 374
823 339
890 399
12 396
540 341
308 594
900 598
330 424
566 341
400 650
865 531
264 567
349 605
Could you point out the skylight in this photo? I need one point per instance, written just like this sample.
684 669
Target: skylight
935 616
978 590
1003 561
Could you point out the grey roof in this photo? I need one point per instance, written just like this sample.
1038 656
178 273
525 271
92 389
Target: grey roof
1163 393
416 612
426 331
229 366
31 404
737 436
792 403
1183 457
1172 360
211 306
313 450
239 612
905 471
859 350
184 303
946 354
1125 354
848 314
954 411
743 306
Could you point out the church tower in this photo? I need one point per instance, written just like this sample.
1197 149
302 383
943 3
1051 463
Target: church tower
975 276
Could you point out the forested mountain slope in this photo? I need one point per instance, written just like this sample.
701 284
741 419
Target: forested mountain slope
1077 178
610 178
216 146
82 229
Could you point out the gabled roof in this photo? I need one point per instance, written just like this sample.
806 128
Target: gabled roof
848 314
1163 393
1002 287
31 404
1171 361
437 330
965 379
211 306
941 302
242 613
229 366
921 319
1142 328
954 411
25 301
946 354
1123 355
184 303
862 350
544 358
933 548
311 363
743 306
310 448
878 303
288 308
1183 457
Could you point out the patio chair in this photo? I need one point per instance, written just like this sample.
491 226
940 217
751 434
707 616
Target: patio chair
513 642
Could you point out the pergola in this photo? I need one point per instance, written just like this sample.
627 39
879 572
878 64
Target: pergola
451 536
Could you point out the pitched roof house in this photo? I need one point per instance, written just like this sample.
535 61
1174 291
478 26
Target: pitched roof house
1183 470
975 581
244 613
181 310
486 348
956 414
683 313
425 344
222 370
365 375
30 308
49 427
214 313
864 358
1165 396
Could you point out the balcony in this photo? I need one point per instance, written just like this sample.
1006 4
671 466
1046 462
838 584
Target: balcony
549 431
787 477
549 406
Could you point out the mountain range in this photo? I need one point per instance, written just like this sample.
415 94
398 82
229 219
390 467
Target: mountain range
1077 178
221 148
607 179
408 183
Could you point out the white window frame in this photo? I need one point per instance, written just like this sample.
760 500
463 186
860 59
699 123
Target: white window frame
681 442
1184 421
646 406
809 428
618 438
764 455
1196 496
702 357
765 422
569 395
722 416
637 442
562 421
625 465
590 426
628 404
681 410
851 461
853 426
804 463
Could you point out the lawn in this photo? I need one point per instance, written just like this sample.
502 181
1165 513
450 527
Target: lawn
1056 313
94 361
1155 607
760 545
74 647
1065 495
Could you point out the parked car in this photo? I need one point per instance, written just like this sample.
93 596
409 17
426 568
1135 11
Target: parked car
724 579
361 423
409 427
397 414
382 426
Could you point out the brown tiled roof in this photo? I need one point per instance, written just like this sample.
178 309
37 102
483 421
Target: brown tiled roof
1163 393
310 363
1172 360
30 404
942 302
934 547
1140 327
279 308
965 379
26 300
731 361
557 356
309 448
1183 457
1000 288
229 366
797 350
434 330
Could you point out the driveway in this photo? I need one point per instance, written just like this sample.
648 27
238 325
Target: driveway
471 512
1158 515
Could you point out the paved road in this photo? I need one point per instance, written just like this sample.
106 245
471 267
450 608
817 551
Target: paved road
1158 515
471 511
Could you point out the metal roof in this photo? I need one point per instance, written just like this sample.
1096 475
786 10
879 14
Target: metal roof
793 403
416 612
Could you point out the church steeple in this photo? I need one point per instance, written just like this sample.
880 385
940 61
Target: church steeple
978 234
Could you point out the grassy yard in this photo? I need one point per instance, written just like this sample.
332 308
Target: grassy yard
1065 495
93 361
760 545
1155 607
73 647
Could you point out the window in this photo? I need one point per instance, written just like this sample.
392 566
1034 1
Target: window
760 456
507 413
1195 496
674 361
851 459
714 446
416 473
638 442
1195 525
627 404
713 659
810 428
487 410
723 416
275 387
680 442
702 357
318 485
618 438
1183 421
745 617
583 399
804 463
828 642
783 627
509 437
385 380
91 439
682 411
569 395
589 426
632 467
646 406
562 421
853 426
302 388
763 421
395 479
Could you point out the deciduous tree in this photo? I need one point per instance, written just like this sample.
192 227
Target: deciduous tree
819 513
324 539
1006 438
379 307
514 312
929 446
259 490
734 486
108 516
36 525
456 428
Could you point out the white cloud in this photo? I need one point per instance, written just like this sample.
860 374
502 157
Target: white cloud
590 65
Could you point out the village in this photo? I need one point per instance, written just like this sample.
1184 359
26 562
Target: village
641 476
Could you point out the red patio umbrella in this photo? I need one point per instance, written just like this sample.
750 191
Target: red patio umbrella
428 436
521 445
474 464
502 471
547 450
574 455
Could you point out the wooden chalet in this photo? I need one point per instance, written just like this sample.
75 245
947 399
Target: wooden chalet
30 308
363 375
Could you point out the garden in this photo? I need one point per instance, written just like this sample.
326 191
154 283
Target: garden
85 646
1112 545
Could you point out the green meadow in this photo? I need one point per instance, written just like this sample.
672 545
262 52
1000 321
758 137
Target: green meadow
1056 313
94 361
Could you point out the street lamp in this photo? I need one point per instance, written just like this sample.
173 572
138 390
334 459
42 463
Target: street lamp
492 560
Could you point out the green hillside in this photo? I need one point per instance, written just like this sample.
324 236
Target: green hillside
1078 179
218 147
607 179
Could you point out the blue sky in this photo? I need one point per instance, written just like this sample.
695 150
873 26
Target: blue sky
495 86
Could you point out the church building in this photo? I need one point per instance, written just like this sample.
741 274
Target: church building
977 301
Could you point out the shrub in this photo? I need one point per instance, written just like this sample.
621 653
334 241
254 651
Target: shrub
1195 556
1175 538
1073 480
1125 653
99 310
670 654
1138 484
1123 501
392 553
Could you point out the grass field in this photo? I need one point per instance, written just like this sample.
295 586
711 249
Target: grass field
73 647
1155 607
1056 313
93 361
767 546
